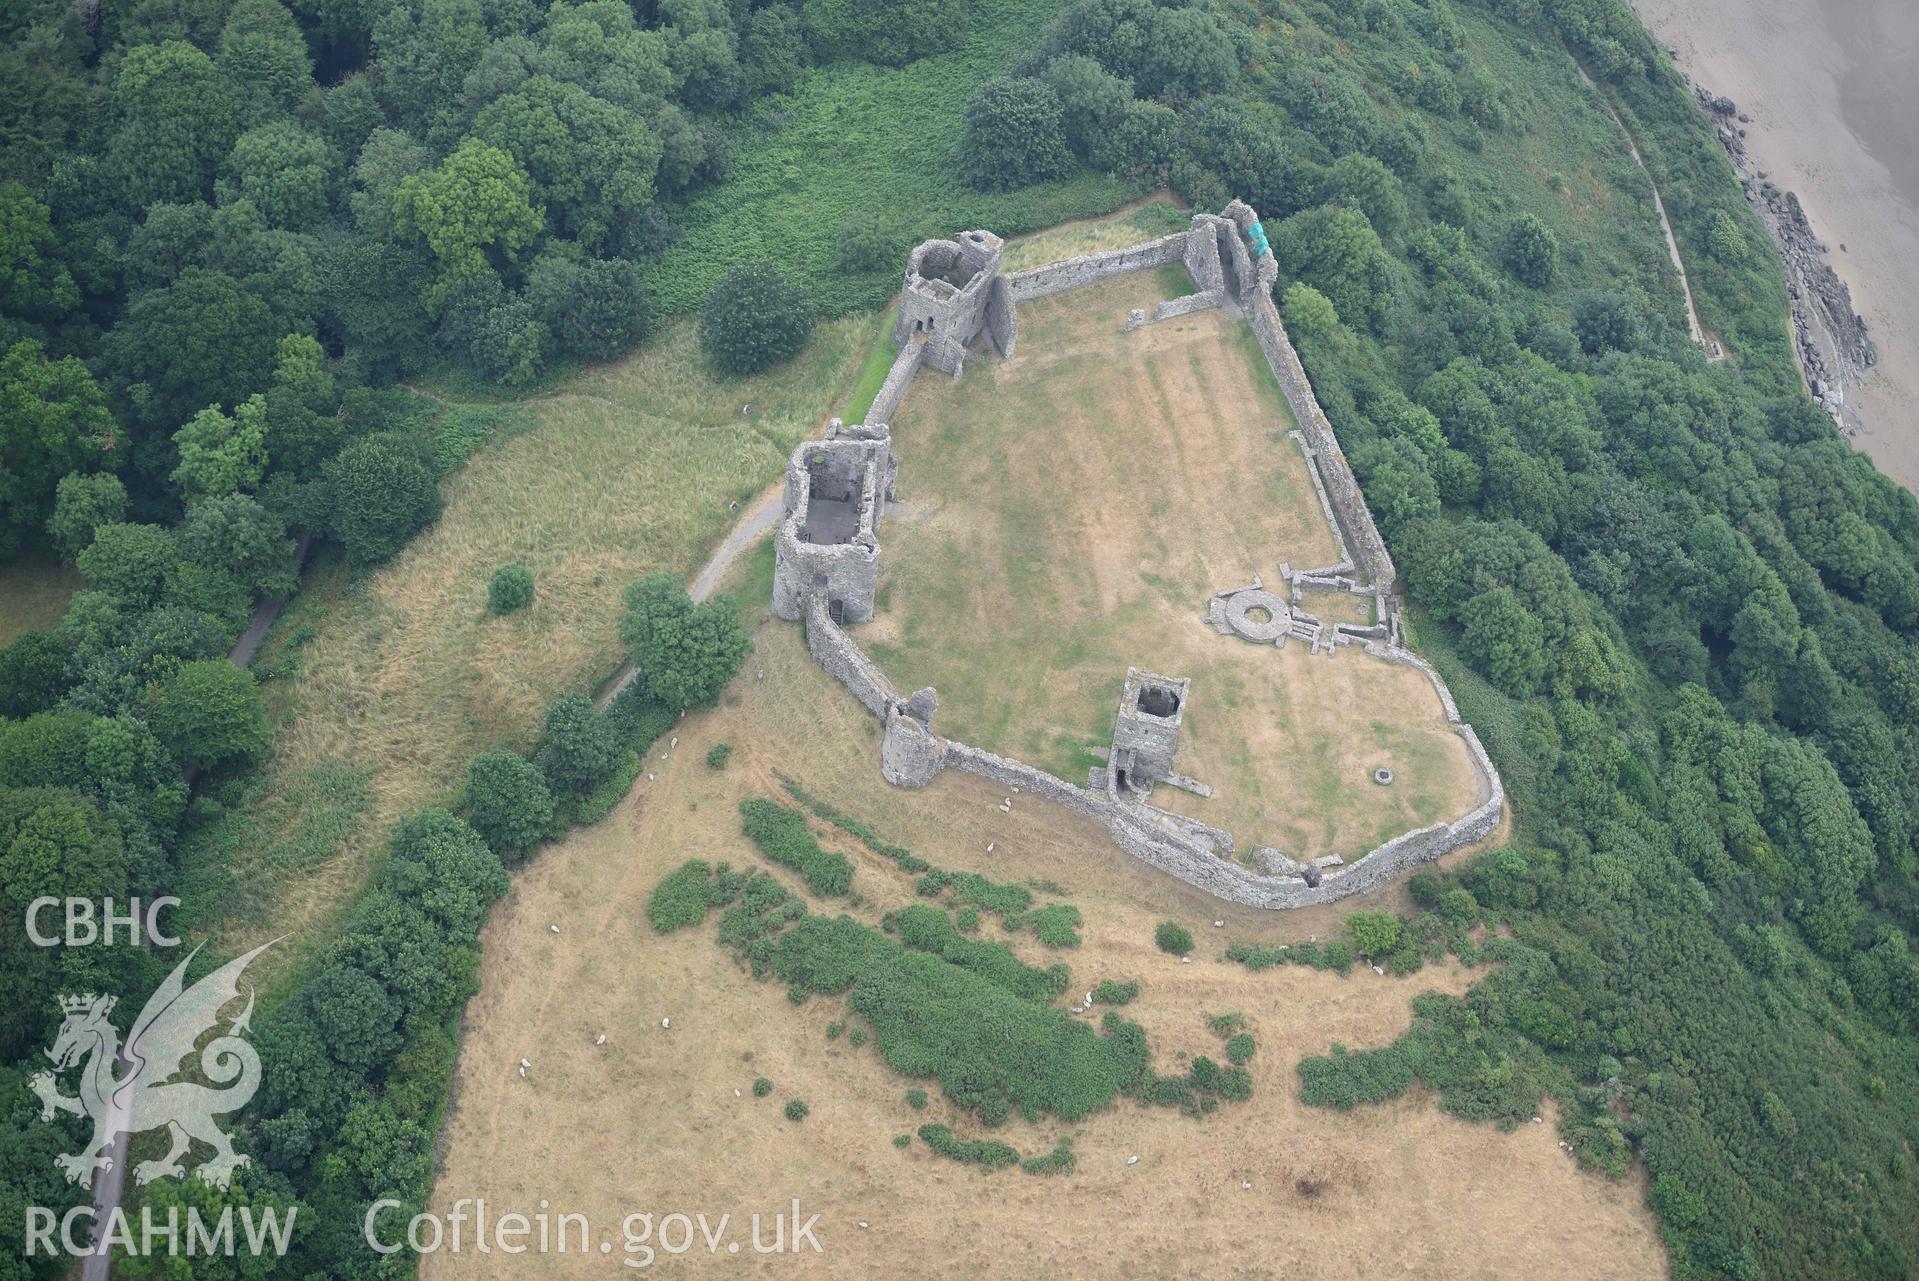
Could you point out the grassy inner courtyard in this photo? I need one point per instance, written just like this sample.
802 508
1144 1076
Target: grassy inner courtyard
1066 513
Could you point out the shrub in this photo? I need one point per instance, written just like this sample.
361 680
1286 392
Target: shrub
902 1140
1344 1079
681 898
1015 136
1173 938
1056 925
755 317
916 1099
510 588
928 929
761 1087
1374 933
508 802
990 1153
796 1110
834 1029
782 836
717 755
993 1052
1108 992
1059 1161
856 1038
1239 1049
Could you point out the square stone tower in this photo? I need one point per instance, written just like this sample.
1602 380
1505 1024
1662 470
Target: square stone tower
952 290
1146 728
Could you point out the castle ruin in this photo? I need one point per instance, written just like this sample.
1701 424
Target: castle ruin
827 561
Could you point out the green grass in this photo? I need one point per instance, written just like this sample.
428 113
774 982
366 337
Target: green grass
852 139
872 375
34 596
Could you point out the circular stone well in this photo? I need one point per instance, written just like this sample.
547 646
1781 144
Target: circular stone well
1382 776
1278 620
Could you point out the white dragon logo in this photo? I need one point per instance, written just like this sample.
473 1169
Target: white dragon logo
148 1097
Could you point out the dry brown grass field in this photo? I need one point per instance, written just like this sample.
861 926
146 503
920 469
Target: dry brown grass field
663 1120
628 469
1066 514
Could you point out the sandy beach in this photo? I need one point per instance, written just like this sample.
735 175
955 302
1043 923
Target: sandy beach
1832 87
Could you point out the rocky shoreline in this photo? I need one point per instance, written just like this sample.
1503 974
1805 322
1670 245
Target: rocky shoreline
1835 351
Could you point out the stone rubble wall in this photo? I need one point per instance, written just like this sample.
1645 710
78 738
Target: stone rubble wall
898 379
1002 317
1355 519
834 650
1187 304
1056 277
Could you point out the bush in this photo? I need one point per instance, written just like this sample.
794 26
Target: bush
1173 938
682 898
717 755
990 1153
1375 934
508 803
1239 1049
1056 925
1015 136
902 1140
510 588
782 836
928 929
1059 1161
761 1087
796 1110
1344 1079
916 1099
1107 992
755 317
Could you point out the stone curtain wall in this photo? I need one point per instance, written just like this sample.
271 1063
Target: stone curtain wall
1056 277
1362 536
834 650
898 379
